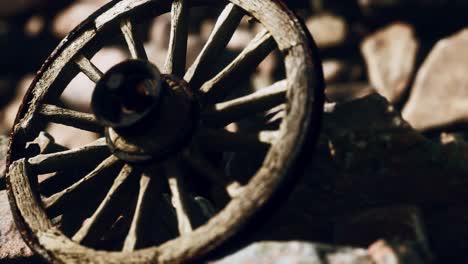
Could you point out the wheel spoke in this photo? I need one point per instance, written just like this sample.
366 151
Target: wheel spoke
88 68
224 113
246 62
177 53
223 140
135 46
44 143
179 198
102 218
59 201
136 233
224 28
71 118
68 159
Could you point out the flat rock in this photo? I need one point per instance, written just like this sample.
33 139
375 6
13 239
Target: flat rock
11 243
159 32
380 160
4 141
327 30
70 137
439 96
390 55
72 16
296 253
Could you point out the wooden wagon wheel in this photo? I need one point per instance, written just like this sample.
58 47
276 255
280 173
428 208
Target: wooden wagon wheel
156 130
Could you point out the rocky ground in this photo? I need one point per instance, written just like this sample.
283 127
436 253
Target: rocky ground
388 183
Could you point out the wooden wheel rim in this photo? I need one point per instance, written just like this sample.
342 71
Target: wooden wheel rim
304 93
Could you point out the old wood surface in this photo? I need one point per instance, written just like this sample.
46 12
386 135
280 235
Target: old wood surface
304 94
69 117
224 28
176 58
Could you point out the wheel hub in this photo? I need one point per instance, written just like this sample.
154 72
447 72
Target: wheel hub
147 115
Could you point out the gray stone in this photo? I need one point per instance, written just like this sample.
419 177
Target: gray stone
390 55
440 93
72 16
11 243
296 253
3 153
380 160
328 30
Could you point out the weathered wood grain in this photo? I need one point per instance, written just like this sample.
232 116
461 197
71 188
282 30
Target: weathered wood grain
179 198
71 118
135 44
177 54
222 114
240 68
225 27
67 159
88 68
136 232
303 98
94 227
58 201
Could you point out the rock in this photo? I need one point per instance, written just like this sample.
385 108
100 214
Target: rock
295 253
385 253
367 157
394 223
390 56
4 141
379 160
11 243
70 137
440 92
194 47
240 39
8 114
156 55
34 26
327 30
72 16
159 32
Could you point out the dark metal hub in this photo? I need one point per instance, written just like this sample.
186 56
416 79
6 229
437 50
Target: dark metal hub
148 116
